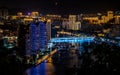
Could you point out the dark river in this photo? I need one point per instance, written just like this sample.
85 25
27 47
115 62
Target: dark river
60 64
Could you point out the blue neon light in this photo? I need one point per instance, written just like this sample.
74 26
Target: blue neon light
73 39
33 39
37 37
43 35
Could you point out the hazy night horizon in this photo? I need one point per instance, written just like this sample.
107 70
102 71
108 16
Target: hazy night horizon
66 6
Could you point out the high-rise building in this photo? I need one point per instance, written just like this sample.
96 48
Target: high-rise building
117 19
65 24
35 14
21 39
42 36
110 15
3 12
104 19
77 26
72 20
48 27
19 14
37 40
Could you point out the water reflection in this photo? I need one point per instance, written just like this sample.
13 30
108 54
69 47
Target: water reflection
45 68
63 63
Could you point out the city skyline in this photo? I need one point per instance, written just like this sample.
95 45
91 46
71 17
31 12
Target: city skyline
59 37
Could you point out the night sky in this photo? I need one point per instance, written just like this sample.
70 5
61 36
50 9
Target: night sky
62 6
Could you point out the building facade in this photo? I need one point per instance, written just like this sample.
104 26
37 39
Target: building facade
37 38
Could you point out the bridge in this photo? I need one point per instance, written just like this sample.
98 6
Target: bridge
46 57
72 39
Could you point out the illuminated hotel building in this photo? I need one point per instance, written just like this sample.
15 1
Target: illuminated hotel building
37 38
104 19
35 14
72 19
20 14
72 23
110 15
117 19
